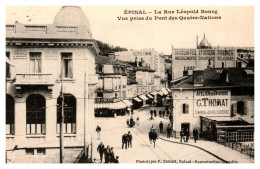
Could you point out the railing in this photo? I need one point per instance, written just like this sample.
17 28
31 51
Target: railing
36 29
69 30
33 78
10 28
246 148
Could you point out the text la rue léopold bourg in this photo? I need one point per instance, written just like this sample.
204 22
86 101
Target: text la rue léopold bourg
182 14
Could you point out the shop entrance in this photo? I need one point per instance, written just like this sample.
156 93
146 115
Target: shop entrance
185 126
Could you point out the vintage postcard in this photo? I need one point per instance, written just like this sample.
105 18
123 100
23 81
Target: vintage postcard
129 84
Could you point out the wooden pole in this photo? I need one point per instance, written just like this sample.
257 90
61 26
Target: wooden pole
62 119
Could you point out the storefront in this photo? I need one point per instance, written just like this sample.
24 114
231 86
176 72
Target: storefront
110 109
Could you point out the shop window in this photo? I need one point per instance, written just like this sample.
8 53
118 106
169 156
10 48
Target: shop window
9 115
185 108
241 108
69 114
66 66
35 114
29 151
41 151
35 62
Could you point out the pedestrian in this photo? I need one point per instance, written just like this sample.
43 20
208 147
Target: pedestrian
161 127
107 154
98 130
195 134
111 155
100 149
182 134
124 141
127 122
171 117
163 113
160 113
116 160
129 139
169 130
150 135
151 112
154 137
155 113
137 121
187 135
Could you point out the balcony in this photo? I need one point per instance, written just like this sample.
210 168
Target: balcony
33 79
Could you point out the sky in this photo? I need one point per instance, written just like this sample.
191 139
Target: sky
235 28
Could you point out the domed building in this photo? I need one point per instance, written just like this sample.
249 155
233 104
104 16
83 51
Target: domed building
204 44
49 59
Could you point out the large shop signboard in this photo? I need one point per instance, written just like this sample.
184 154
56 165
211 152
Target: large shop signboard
211 103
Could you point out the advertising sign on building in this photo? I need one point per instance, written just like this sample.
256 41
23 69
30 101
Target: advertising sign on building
212 103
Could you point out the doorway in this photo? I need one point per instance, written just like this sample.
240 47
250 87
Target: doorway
185 126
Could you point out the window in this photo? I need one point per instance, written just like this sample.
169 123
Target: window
66 66
100 69
35 114
239 64
124 94
241 108
222 64
69 114
8 72
29 151
185 108
100 94
41 151
35 62
9 115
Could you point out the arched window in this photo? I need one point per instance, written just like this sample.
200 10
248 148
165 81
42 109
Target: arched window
9 114
35 114
69 114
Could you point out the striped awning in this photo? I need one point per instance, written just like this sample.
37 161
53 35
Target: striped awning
128 103
143 97
160 93
137 99
150 96
164 91
118 105
153 93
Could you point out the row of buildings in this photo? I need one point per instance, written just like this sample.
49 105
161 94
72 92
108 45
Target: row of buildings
45 61
213 91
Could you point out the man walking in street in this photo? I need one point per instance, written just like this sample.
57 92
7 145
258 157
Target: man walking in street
187 135
98 130
137 121
155 113
195 134
150 135
169 130
100 149
181 134
154 137
129 139
161 127
107 154
124 141
160 113
151 112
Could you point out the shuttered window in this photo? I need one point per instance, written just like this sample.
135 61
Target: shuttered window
185 108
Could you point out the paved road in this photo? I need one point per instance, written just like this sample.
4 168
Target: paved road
164 152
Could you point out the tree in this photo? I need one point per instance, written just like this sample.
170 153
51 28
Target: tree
105 48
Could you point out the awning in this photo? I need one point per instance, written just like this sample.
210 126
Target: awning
164 91
153 93
118 105
9 61
150 96
160 93
248 120
128 103
143 97
169 90
137 99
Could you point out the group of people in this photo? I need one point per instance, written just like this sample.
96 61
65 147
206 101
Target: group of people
185 135
152 136
108 153
127 140
169 129
131 122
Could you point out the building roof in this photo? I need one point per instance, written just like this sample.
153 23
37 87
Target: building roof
104 60
204 43
219 78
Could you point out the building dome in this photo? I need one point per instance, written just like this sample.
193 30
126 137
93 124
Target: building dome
71 16
204 44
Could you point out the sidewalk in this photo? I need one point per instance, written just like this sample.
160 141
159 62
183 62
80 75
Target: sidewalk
219 151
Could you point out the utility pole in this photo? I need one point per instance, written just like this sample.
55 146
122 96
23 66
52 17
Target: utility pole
62 119
85 146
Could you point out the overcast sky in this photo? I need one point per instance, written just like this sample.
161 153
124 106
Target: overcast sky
236 28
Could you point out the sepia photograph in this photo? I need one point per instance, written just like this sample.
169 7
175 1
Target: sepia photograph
129 84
